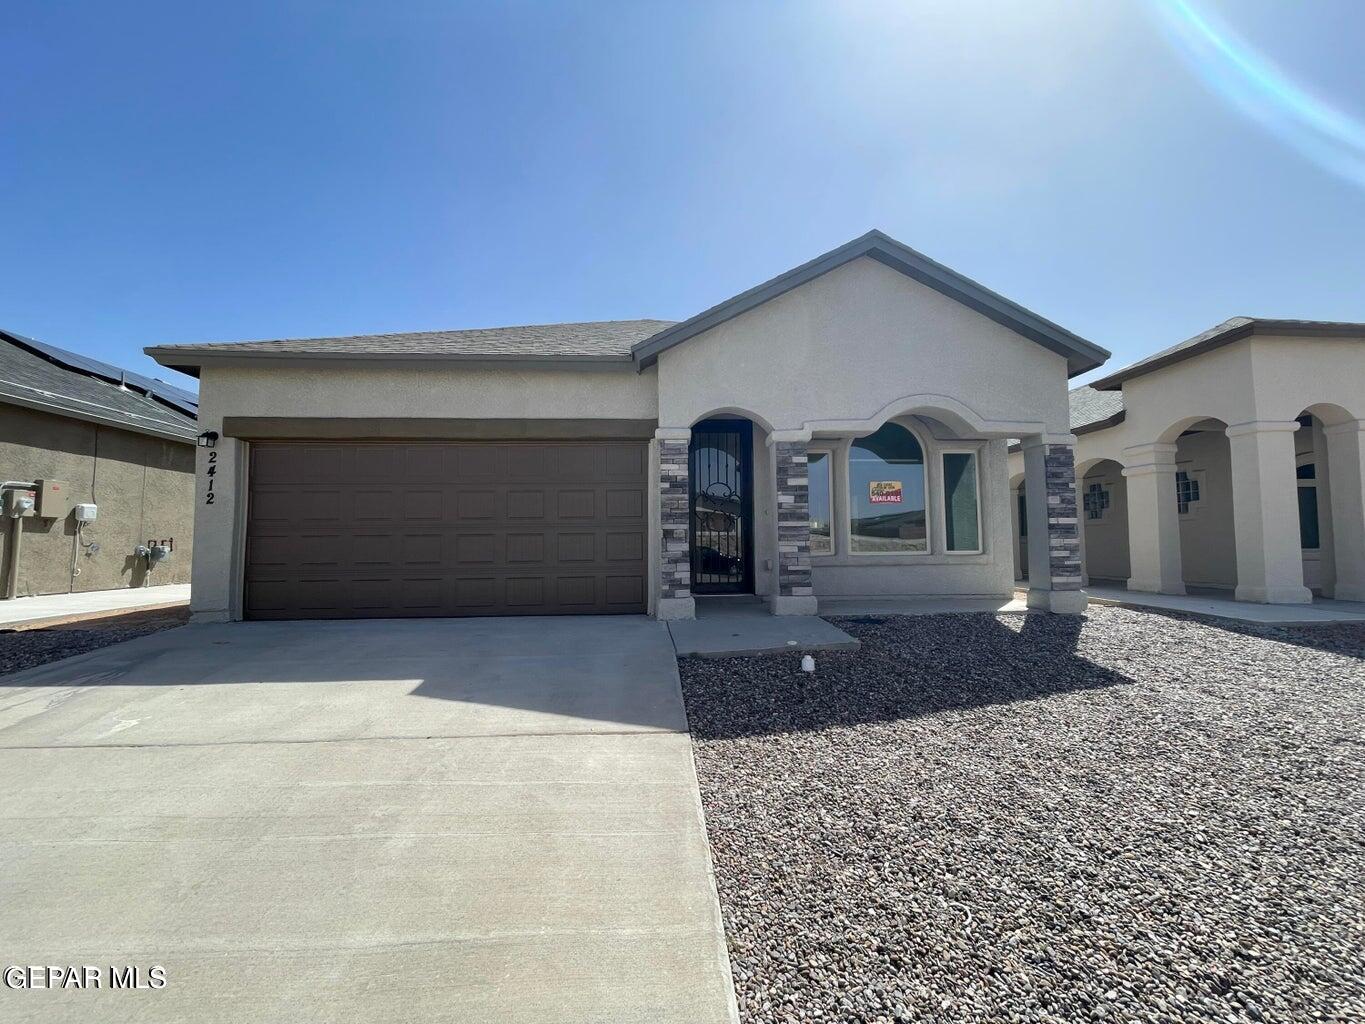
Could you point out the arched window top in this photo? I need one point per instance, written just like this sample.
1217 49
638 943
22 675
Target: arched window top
886 483
891 445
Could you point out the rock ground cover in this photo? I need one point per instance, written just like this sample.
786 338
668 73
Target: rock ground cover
1126 817
28 648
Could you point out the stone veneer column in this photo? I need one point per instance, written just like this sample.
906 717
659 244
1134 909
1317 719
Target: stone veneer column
675 564
1054 567
795 595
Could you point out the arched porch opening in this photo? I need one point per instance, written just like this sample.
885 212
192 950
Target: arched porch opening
1204 506
1103 508
1327 435
731 537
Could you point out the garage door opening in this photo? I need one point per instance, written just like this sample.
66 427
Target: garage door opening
384 529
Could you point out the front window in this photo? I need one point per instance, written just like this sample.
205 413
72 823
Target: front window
961 512
886 493
821 534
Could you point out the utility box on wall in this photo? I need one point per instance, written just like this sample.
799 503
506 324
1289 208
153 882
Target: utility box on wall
54 499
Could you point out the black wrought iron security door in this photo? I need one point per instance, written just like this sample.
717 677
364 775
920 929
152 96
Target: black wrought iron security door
722 507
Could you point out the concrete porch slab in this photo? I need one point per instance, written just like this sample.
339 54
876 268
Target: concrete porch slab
836 606
55 609
728 627
1222 605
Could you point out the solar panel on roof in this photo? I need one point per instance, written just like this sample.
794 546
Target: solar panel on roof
178 398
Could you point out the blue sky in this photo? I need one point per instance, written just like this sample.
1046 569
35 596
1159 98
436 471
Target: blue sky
173 172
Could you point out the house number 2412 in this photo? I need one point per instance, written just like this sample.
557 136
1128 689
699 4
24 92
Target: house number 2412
213 472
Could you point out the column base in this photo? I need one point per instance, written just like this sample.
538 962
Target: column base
1274 595
1156 587
675 608
779 604
1060 602
1348 592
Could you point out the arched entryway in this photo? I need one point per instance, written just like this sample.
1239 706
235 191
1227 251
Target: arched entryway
1204 506
1103 507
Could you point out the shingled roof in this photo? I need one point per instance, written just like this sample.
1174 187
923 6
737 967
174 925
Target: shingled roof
31 376
602 340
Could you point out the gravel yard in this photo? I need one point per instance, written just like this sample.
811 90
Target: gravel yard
27 648
1130 817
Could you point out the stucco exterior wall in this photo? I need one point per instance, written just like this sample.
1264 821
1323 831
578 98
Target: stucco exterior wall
851 345
1256 380
142 485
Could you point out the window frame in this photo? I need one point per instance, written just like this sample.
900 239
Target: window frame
932 486
1195 476
830 454
1309 458
974 450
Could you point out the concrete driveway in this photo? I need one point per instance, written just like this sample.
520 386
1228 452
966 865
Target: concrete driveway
438 820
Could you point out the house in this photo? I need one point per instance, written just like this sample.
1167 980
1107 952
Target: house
118 445
839 430
1232 461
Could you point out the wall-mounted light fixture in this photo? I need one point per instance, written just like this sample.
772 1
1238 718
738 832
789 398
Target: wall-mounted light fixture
208 439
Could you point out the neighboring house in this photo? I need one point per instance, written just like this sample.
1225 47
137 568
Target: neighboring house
94 435
1235 461
838 430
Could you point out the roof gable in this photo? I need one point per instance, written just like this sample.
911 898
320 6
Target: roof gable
1080 354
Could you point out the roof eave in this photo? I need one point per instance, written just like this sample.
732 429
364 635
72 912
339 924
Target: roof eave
190 361
185 435
1081 355
1296 328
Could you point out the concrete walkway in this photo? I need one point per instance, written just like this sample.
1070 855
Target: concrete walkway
727 627
51 609
470 820
1221 604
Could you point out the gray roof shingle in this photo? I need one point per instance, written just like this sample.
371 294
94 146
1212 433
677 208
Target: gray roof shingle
607 339
29 378
1093 409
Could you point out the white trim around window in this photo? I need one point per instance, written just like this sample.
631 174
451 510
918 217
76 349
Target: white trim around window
842 555
975 452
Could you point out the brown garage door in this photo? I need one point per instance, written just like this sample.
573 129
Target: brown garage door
372 530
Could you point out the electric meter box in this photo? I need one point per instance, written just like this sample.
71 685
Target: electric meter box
54 499
85 513
15 502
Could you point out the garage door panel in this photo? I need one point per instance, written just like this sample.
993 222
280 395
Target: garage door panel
388 529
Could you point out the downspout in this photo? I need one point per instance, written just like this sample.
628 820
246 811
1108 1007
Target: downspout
16 539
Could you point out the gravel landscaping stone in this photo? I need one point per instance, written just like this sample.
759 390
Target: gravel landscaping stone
1126 817
27 648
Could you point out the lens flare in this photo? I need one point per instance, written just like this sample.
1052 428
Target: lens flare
1325 134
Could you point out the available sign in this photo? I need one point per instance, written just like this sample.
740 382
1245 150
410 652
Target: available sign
884 492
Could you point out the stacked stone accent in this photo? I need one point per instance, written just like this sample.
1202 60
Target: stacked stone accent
793 520
675 566
1063 523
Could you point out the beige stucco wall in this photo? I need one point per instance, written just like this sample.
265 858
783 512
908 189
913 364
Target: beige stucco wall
1255 380
863 342
142 485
